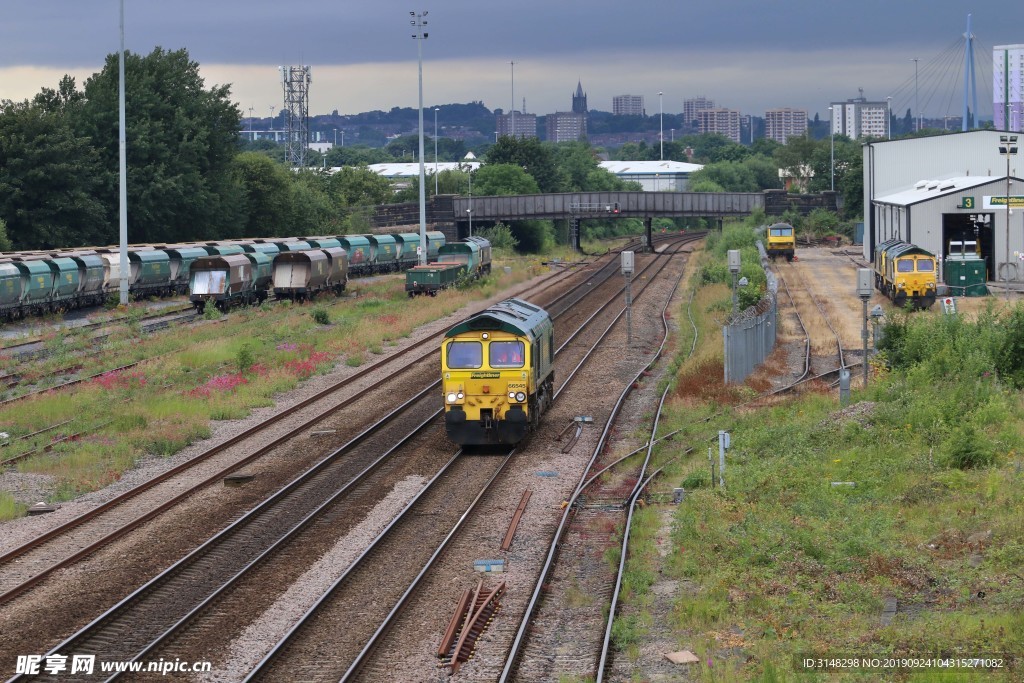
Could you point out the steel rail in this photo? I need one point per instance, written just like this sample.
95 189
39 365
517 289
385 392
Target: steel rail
512 656
267 507
202 457
280 543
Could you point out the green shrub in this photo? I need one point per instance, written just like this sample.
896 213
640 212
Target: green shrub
245 358
696 480
321 317
968 449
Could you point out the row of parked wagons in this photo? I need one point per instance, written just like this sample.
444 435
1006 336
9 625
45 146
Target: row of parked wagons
227 273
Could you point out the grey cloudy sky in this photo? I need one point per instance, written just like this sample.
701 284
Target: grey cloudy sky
743 54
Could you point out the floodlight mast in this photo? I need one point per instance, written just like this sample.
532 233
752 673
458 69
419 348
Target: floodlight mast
419 23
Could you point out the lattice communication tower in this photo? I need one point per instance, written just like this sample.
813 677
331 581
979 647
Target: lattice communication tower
295 80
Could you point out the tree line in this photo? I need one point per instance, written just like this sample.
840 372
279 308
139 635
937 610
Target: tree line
192 178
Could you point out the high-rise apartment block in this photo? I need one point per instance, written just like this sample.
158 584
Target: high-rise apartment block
566 126
628 105
694 105
525 124
724 121
858 118
1008 87
782 124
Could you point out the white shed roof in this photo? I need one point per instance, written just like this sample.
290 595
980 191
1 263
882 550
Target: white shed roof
412 170
923 190
648 167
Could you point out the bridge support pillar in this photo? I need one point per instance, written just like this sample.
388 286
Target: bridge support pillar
647 242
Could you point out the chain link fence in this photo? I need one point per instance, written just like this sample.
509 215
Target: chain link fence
749 335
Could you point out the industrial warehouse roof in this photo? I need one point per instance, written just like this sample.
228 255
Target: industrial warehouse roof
648 167
413 170
619 168
923 190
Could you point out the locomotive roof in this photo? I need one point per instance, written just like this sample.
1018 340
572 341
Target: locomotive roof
514 316
894 248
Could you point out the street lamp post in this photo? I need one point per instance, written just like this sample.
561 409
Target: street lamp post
335 137
888 117
661 127
1008 147
419 37
122 173
469 212
436 109
832 147
512 111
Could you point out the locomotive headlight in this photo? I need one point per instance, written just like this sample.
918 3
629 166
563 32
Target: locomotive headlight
512 395
461 396
452 397
520 396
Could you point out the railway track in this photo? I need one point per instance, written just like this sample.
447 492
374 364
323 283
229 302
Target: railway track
85 553
84 535
603 322
37 350
556 635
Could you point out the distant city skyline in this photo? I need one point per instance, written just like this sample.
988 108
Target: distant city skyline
744 56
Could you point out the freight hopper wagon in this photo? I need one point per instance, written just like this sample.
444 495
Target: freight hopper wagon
905 272
498 374
230 280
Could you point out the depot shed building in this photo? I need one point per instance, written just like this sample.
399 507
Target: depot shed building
931 191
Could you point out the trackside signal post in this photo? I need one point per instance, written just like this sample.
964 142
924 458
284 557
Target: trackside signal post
734 268
864 292
627 272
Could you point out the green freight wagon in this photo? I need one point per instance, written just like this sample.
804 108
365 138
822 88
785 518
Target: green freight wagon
406 243
262 273
324 242
66 283
224 249
435 240
433 277
10 291
299 245
383 253
360 259
150 273
36 284
268 248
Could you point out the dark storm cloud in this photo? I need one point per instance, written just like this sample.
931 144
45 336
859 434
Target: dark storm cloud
272 31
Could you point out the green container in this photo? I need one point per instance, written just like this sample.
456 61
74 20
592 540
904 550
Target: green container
433 277
966 276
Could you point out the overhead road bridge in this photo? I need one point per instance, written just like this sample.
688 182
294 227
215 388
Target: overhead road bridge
452 213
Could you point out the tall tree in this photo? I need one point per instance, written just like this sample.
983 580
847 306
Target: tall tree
533 156
181 139
49 177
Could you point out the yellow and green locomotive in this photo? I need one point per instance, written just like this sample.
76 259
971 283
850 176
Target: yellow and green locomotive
498 373
905 272
781 241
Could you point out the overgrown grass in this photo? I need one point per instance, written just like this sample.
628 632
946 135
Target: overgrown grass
10 508
927 509
216 370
